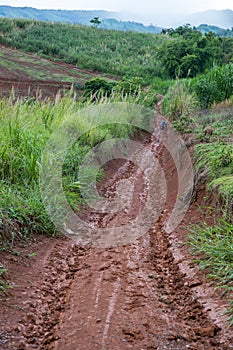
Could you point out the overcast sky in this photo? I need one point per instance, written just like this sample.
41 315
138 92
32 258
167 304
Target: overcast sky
134 6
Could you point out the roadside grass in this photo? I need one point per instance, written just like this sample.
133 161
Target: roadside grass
213 156
219 117
212 246
25 128
215 246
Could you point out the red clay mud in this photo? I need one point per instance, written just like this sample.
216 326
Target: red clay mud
144 295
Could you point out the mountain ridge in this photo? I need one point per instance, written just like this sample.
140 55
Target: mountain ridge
109 20
113 20
220 18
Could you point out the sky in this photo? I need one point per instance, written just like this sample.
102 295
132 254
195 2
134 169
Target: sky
133 6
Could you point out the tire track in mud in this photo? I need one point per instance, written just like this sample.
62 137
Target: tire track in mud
143 303
129 297
44 302
141 299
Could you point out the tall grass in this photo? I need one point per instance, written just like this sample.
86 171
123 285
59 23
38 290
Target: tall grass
179 100
25 128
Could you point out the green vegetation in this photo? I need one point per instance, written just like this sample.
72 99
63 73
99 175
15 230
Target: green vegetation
25 129
184 52
214 86
179 101
95 21
205 28
189 52
215 244
217 159
111 52
97 88
19 65
214 158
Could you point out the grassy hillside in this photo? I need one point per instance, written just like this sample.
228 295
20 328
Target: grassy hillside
117 53
205 28
182 52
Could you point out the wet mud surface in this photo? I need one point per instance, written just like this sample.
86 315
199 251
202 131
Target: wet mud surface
144 295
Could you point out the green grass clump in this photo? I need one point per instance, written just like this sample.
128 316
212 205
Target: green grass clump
217 157
224 184
215 244
179 101
224 187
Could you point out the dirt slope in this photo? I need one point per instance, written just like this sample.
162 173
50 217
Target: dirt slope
31 75
144 295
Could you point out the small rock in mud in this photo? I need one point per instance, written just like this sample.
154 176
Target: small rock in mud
194 283
165 299
207 331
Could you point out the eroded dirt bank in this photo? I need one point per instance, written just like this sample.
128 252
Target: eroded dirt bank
143 295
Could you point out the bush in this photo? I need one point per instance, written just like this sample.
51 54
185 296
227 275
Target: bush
129 86
214 86
97 87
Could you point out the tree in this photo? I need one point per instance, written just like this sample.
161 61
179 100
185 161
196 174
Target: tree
95 21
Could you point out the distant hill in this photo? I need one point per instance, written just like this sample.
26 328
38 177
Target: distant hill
67 16
205 28
112 23
223 19
109 19
220 18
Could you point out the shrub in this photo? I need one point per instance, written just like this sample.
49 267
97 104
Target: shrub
97 87
214 86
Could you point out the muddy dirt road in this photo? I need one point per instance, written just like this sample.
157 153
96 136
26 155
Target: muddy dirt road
143 295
